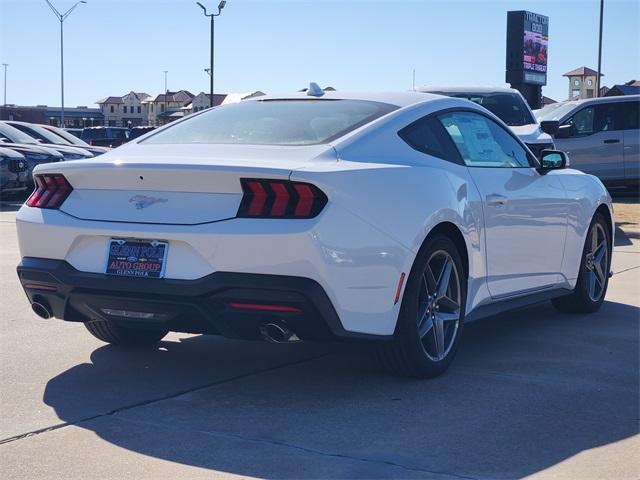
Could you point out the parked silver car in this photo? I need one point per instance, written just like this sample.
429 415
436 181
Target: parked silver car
601 136
13 172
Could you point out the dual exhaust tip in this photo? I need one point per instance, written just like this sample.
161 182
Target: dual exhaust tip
42 310
278 332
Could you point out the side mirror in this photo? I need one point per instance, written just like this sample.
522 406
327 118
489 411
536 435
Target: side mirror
565 131
549 126
553 160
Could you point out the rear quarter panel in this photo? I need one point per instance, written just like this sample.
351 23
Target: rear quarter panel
404 193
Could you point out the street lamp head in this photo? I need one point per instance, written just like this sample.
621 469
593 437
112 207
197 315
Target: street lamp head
83 1
222 4
202 7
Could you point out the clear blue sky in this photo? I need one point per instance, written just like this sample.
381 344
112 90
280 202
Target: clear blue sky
112 46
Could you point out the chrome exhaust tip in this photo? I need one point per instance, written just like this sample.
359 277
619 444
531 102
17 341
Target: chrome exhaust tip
277 333
42 310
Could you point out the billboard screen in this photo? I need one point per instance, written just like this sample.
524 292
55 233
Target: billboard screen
527 47
536 42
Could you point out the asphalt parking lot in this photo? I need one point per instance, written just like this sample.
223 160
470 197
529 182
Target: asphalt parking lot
531 393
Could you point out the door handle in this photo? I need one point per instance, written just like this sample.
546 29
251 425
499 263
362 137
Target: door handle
612 140
496 200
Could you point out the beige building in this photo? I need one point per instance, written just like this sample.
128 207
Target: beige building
582 83
167 107
128 110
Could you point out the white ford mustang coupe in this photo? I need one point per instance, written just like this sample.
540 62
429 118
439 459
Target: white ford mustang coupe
392 218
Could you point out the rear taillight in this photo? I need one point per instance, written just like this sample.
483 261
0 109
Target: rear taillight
280 199
51 190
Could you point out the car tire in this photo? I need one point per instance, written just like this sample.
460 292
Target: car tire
593 277
115 334
427 334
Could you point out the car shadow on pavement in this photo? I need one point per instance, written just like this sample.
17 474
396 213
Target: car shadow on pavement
527 390
620 238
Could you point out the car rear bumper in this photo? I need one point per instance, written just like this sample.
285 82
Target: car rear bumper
235 305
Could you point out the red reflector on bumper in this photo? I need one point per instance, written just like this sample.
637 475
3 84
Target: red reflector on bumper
399 289
265 308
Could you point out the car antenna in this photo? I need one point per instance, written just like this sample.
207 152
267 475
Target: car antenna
315 90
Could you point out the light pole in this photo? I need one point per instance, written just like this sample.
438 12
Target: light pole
5 65
62 17
212 16
599 50
165 90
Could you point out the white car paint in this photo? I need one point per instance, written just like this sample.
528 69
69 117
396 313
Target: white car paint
384 198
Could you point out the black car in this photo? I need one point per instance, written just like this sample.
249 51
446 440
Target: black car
139 131
105 136
14 172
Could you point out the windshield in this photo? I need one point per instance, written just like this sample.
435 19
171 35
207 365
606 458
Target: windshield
14 135
556 111
508 107
67 136
274 122
41 133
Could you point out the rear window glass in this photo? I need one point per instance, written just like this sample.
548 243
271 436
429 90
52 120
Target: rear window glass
94 133
274 122
120 134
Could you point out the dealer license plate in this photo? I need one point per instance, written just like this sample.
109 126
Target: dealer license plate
136 258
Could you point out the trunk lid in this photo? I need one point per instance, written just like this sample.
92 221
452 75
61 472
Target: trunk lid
174 184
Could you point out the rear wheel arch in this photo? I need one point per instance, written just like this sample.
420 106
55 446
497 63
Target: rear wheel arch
451 231
603 209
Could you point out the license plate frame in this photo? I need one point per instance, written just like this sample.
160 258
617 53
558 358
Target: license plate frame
136 258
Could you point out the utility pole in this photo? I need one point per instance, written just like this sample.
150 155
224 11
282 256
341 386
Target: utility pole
165 90
5 65
212 16
62 17
599 50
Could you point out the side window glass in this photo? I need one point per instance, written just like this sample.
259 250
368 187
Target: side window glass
630 115
582 121
426 136
482 142
608 117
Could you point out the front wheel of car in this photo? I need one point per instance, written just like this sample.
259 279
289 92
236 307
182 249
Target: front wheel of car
432 313
115 334
593 277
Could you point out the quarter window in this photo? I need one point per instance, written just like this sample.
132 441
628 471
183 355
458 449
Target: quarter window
482 142
427 136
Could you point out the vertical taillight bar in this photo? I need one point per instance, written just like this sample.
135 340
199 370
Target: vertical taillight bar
280 199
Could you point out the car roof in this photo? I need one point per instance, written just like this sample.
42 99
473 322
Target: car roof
466 89
101 127
620 98
399 99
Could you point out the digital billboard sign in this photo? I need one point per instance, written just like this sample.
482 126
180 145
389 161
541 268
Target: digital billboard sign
527 47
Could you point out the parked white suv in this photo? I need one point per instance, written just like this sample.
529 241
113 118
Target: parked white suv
509 106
